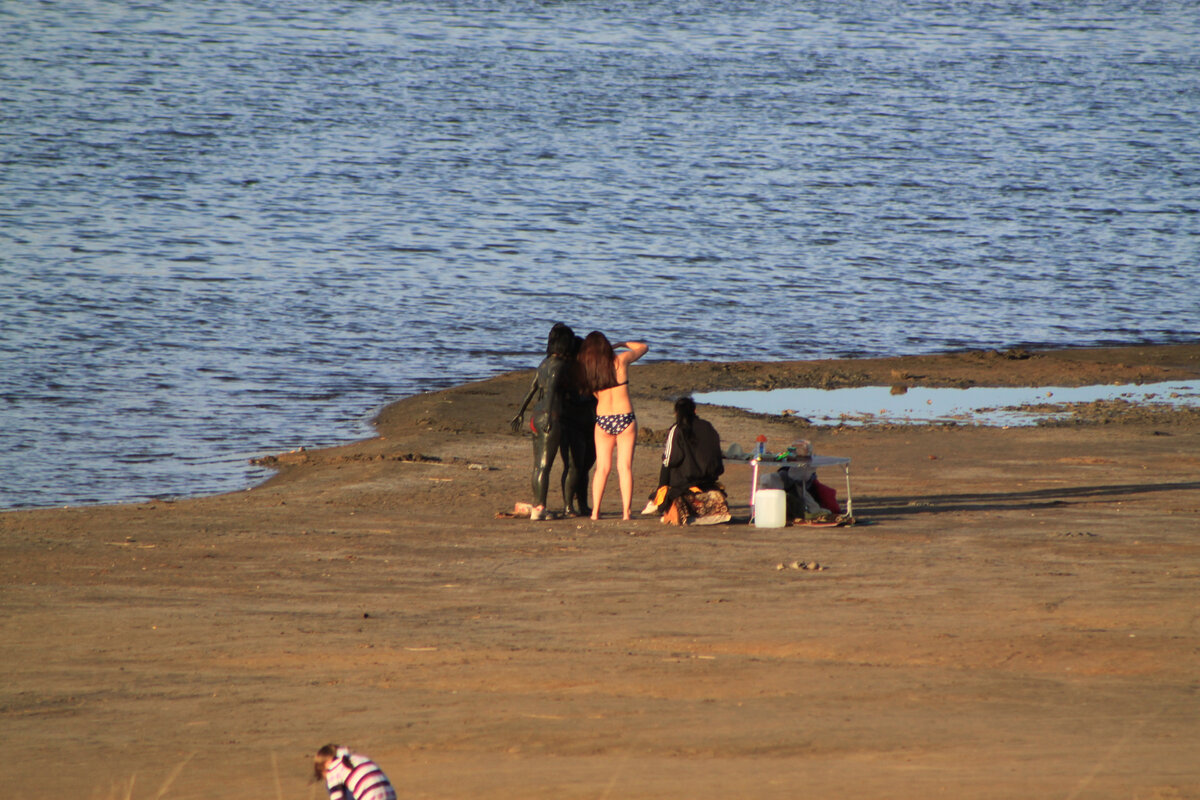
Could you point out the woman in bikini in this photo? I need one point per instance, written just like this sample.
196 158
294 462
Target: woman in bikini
606 373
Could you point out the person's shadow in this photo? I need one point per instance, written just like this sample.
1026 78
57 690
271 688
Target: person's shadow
878 508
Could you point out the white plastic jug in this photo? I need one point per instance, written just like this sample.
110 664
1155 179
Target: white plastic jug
770 508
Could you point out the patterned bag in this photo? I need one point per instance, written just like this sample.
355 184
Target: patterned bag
698 508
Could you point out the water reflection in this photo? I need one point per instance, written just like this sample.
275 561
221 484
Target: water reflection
978 405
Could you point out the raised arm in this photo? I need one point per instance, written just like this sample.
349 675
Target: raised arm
632 351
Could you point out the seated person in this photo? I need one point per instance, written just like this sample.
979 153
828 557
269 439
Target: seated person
689 492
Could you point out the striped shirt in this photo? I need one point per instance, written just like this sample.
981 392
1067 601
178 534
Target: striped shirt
355 777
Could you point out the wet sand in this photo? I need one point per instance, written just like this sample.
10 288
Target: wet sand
1016 615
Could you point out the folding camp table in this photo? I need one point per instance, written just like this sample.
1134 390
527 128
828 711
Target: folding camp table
799 471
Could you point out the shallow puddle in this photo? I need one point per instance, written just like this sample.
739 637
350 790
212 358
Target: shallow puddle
978 405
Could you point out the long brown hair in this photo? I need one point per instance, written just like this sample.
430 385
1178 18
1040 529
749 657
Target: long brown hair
595 363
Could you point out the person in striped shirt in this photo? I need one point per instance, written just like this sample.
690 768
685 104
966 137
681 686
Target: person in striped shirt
351 776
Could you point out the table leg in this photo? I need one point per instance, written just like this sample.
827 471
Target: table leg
753 486
849 498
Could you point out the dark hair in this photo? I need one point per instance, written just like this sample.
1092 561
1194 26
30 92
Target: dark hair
685 415
560 340
574 377
596 369
326 752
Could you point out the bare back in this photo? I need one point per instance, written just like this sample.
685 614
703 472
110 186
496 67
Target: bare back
615 399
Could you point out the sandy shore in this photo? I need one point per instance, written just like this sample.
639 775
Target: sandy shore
1016 616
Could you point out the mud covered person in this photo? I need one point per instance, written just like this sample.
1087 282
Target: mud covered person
579 441
547 391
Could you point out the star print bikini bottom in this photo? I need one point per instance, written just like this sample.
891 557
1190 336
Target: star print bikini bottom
613 424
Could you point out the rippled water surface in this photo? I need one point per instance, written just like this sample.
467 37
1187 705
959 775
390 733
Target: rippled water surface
231 228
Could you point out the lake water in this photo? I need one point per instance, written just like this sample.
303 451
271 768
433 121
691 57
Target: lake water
235 228
977 405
